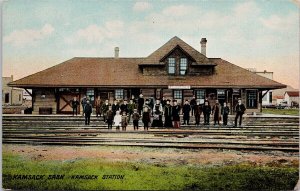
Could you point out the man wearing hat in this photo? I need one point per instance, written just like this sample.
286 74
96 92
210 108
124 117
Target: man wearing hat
168 114
175 114
240 110
140 103
88 109
147 104
124 107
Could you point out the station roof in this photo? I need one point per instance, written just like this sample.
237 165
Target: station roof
126 72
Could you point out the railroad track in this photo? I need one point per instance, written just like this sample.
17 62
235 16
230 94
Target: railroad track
237 139
257 134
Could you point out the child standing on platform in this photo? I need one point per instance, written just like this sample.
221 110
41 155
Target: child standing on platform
135 118
109 117
124 121
146 118
117 120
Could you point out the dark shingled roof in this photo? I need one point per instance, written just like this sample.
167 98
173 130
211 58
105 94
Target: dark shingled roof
125 72
293 93
160 53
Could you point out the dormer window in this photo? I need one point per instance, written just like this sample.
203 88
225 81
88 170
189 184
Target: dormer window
183 66
171 65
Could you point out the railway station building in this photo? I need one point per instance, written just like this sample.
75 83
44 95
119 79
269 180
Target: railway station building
175 70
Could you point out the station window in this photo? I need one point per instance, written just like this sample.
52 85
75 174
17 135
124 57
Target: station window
119 94
90 94
171 65
251 98
177 94
183 66
6 98
221 96
200 96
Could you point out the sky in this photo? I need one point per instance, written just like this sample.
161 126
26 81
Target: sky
262 34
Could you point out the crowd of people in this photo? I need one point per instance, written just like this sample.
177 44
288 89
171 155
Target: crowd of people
151 114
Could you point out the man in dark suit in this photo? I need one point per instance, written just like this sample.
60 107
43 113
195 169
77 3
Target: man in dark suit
75 104
175 114
140 103
88 109
240 110
206 112
193 104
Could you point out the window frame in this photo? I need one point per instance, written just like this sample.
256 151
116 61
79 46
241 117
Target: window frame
175 94
90 93
6 97
253 104
119 94
198 98
169 65
180 66
222 98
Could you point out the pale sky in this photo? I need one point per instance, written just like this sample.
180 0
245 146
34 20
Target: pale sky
38 34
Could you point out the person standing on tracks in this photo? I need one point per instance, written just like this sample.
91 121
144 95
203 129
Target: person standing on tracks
225 112
216 112
124 121
198 112
193 104
98 104
175 114
117 120
75 105
83 103
104 109
88 109
135 118
206 112
240 110
109 117
168 114
140 103
146 118
186 112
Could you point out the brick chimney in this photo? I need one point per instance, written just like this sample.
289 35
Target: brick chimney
203 46
116 52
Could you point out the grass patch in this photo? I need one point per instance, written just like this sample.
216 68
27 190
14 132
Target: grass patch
281 111
140 176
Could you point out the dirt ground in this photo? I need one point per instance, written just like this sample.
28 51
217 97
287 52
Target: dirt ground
162 156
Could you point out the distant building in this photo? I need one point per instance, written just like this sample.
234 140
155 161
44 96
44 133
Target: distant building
292 98
11 96
278 94
278 99
267 99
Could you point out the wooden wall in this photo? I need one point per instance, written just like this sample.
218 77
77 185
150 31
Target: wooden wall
49 101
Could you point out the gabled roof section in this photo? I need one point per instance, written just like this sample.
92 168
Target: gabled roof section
292 93
159 54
